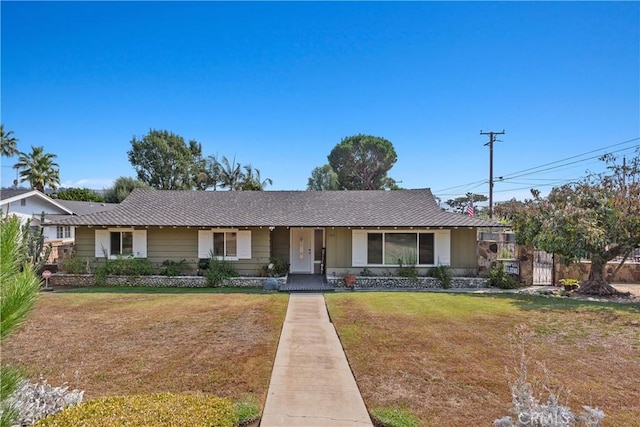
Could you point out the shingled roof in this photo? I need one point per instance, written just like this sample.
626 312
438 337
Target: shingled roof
399 208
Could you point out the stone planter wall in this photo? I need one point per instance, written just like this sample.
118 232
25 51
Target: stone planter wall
376 282
86 280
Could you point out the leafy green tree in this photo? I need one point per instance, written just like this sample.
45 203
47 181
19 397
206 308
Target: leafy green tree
8 143
597 218
121 189
79 194
18 294
362 162
164 161
323 178
251 180
460 203
39 169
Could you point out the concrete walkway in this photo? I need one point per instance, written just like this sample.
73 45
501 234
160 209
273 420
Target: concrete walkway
311 383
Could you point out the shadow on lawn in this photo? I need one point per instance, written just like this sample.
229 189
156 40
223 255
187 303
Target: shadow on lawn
542 303
159 290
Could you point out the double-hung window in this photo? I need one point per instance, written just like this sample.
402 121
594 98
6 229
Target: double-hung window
63 232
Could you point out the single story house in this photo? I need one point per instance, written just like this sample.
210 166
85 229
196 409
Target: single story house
317 232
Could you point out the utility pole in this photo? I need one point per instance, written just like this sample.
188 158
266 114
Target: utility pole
492 139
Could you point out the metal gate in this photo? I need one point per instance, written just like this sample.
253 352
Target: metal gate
542 268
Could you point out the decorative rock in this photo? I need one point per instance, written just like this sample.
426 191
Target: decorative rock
271 284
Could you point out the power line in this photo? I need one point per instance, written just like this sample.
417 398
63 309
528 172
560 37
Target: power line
579 155
521 173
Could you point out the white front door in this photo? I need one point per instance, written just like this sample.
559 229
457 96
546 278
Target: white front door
302 250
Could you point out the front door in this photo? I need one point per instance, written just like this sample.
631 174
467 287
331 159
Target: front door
302 250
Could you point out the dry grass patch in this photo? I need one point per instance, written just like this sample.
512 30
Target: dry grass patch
443 356
131 343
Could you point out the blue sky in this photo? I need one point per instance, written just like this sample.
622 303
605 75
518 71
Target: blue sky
278 85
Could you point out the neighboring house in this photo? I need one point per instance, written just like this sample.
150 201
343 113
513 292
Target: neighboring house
29 205
328 232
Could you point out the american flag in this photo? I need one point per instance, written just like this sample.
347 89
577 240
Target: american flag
470 209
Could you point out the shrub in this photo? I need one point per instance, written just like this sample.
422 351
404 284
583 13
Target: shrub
173 268
127 266
74 265
393 417
218 271
33 401
442 273
528 409
499 278
148 410
407 266
277 267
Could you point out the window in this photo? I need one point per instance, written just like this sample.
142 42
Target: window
121 243
23 202
225 244
231 244
381 248
63 232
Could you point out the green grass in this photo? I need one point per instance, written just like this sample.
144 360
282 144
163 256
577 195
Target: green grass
394 417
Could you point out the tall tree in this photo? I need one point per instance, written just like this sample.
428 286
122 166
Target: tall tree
323 178
38 168
596 218
163 160
121 189
230 174
460 203
18 294
8 143
251 180
79 194
362 162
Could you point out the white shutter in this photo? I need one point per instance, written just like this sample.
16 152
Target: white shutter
358 248
205 243
140 243
442 247
102 244
244 244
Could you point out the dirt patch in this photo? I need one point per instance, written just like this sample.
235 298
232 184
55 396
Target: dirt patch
446 358
113 344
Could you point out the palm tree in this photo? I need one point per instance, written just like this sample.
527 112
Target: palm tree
39 169
252 180
231 176
8 143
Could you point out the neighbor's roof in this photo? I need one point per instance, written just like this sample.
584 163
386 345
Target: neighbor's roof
84 208
8 196
398 208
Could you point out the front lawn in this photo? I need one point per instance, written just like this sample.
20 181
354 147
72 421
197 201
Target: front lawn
443 357
112 342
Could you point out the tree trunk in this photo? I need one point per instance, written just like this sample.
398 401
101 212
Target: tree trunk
596 284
